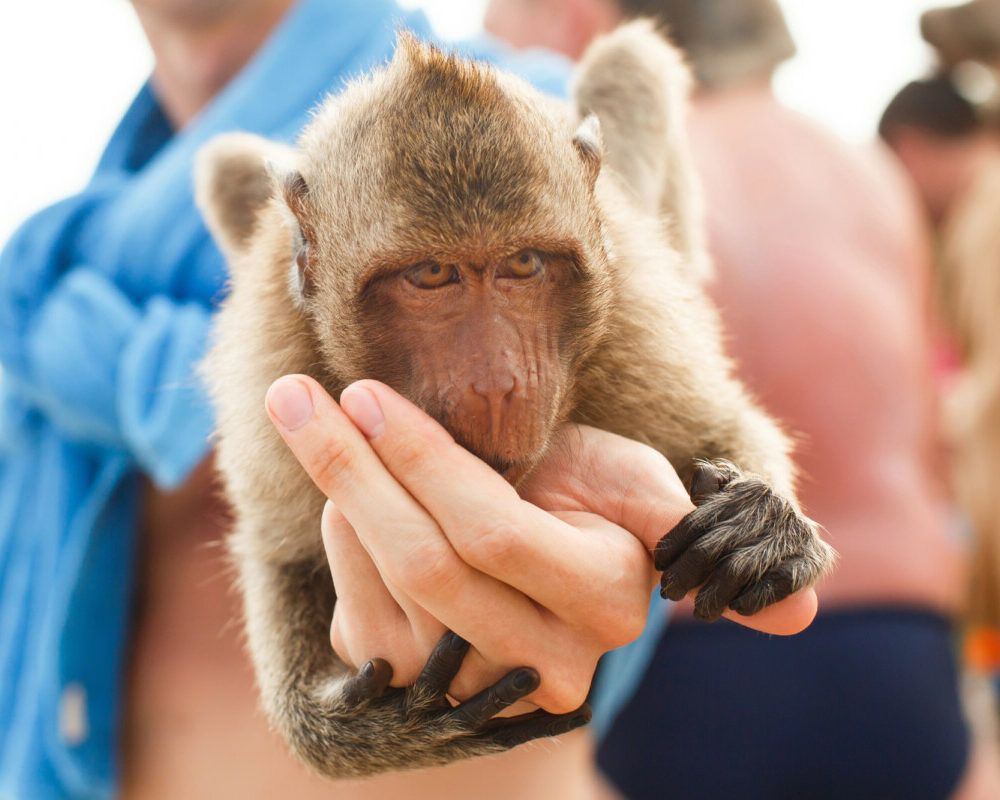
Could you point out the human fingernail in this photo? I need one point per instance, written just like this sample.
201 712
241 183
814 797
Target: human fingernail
364 410
290 402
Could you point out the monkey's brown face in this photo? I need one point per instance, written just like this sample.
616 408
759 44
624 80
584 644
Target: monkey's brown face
453 249
483 344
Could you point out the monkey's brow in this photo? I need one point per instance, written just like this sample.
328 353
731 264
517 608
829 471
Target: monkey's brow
473 256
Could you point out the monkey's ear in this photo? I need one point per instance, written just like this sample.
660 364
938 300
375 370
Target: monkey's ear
233 182
590 145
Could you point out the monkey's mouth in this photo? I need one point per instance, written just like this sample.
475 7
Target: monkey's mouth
511 471
507 459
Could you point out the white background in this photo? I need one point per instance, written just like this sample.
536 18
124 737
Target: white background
68 68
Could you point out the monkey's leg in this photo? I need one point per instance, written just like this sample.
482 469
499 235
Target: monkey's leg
345 725
744 544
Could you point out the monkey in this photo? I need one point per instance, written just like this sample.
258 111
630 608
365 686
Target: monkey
446 229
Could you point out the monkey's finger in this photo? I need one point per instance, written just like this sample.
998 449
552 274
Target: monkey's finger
785 618
443 664
369 683
513 731
713 598
705 482
684 534
691 569
775 585
478 710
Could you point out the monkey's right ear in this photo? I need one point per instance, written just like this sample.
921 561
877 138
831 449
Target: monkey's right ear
233 181
590 145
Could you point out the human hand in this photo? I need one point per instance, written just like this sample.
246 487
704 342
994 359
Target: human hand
634 486
410 556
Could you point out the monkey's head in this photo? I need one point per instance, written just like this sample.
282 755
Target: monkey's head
437 229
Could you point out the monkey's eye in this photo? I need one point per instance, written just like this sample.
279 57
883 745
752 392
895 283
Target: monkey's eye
432 275
524 264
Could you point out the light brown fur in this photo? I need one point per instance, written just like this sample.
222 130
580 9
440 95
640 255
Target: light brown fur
434 155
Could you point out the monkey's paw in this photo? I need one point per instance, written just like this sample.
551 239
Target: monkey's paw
372 728
746 546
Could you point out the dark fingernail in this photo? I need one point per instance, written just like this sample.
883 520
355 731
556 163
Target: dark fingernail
579 720
524 679
670 591
368 670
456 643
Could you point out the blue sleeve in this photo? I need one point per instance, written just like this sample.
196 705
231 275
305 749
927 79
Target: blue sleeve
101 366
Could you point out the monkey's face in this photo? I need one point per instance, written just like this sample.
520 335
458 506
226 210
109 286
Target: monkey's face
449 245
485 345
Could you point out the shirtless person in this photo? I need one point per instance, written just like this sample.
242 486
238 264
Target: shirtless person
104 303
822 273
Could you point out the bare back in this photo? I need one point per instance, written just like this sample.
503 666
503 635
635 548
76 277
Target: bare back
821 280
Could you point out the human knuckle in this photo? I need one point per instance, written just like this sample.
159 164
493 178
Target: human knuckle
331 463
563 693
628 623
490 544
406 454
428 567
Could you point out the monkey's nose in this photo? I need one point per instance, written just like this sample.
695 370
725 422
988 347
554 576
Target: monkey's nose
494 389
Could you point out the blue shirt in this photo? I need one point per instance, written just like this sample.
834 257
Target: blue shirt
105 300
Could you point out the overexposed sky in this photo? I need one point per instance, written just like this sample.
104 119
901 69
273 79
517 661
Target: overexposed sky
68 68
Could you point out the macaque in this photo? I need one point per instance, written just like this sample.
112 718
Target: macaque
444 228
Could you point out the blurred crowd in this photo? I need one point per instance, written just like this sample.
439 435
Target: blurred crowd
860 292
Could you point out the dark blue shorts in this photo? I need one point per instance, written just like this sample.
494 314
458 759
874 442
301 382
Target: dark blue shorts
863 704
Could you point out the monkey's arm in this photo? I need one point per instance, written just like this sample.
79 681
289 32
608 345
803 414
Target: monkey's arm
345 724
662 379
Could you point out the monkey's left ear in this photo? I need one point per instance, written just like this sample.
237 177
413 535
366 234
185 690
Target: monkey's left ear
233 182
590 145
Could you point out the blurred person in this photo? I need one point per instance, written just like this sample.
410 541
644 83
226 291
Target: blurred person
950 147
821 276
121 666
963 32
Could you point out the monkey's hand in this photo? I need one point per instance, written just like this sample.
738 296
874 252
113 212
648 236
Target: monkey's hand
371 728
746 546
